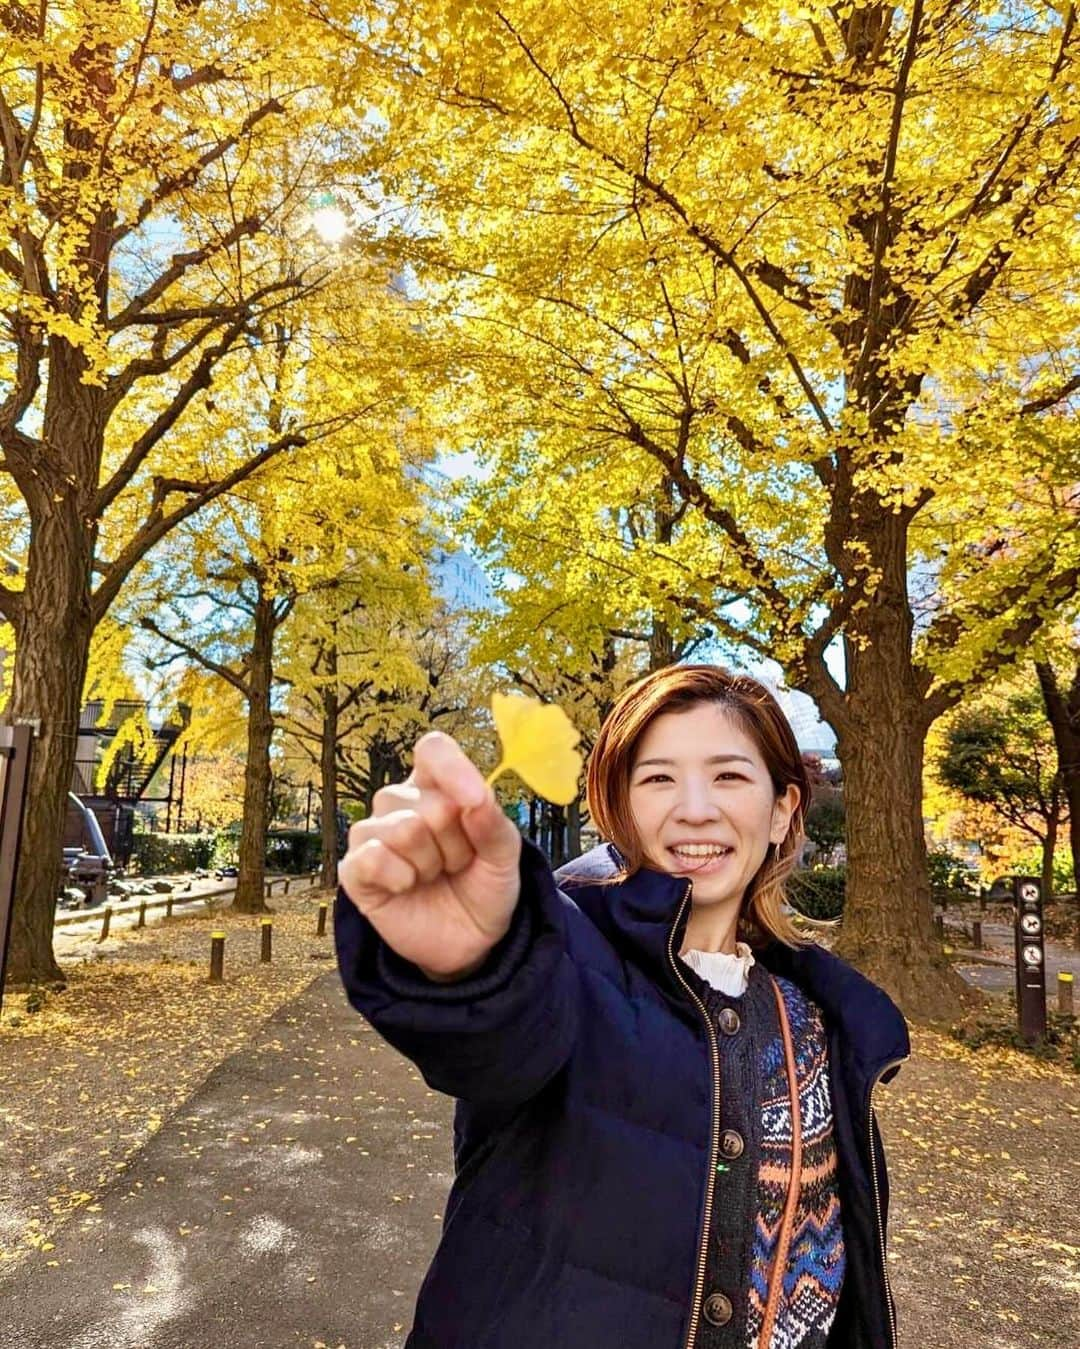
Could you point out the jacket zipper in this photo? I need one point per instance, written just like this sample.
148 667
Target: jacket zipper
714 1147
877 1203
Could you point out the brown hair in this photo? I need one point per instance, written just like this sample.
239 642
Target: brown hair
676 688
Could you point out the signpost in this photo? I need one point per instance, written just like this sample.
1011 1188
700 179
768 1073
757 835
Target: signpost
1030 957
15 744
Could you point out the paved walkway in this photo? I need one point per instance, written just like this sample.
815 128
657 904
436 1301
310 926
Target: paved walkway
993 968
295 1200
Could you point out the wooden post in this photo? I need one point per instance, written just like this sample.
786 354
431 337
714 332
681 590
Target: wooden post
142 913
1065 994
976 934
288 880
217 957
320 931
168 907
939 926
267 938
106 919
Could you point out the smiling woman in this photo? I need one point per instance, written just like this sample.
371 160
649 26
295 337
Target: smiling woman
664 1136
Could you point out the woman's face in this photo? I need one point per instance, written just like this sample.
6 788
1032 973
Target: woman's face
703 802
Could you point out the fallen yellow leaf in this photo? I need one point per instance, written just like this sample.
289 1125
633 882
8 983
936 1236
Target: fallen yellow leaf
538 744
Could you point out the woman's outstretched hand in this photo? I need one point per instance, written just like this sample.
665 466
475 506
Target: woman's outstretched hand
435 867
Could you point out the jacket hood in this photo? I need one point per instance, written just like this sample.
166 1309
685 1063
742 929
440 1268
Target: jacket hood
637 915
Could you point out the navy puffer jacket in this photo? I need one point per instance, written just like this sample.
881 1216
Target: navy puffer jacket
584 1136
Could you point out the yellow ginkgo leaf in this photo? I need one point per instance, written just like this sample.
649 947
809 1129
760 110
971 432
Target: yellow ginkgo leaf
538 741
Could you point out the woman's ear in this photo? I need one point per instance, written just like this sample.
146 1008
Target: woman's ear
786 805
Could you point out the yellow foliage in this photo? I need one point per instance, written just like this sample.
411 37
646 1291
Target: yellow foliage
538 744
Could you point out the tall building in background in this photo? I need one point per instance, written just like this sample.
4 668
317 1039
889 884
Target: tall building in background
458 579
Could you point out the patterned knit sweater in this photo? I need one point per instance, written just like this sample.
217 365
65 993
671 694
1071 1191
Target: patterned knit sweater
756 1159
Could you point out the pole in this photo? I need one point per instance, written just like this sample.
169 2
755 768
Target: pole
217 957
267 925
320 931
1030 958
168 803
183 781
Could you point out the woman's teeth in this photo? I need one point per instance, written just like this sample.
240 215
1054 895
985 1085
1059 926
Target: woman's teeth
699 850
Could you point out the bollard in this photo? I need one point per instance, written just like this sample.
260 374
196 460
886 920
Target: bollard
1065 994
142 913
287 882
217 957
320 931
976 935
939 926
267 938
168 907
106 919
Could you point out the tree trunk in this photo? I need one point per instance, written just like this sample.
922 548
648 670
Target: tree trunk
881 725
893 944
1064 713
1049 846
573 829
51 651
250 885
328 769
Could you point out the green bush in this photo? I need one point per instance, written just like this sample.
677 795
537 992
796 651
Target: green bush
949 871
167 854
293 851
226 851
818 893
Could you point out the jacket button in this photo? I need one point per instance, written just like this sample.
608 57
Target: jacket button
731 1144
729 1020
718 1309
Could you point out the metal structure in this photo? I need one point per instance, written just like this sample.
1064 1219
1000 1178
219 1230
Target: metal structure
15 742
1030 957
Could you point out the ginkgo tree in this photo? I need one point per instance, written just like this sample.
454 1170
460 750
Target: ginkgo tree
159 164
818 263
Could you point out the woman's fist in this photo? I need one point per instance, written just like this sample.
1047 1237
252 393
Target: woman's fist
435 867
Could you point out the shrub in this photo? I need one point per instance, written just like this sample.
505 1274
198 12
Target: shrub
949 871
293 851
158 854
818 893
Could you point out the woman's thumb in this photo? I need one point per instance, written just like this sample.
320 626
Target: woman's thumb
494 836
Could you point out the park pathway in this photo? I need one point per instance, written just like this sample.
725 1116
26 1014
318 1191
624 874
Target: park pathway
296 1199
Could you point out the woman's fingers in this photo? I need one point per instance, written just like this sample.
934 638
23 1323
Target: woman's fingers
393 805
373 870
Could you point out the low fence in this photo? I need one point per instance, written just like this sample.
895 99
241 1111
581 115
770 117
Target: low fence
141 906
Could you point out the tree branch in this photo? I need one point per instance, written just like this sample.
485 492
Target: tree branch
190 176
1049 400
157 524
1053 591
134 310
223 671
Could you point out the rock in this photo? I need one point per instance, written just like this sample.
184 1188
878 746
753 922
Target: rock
160 888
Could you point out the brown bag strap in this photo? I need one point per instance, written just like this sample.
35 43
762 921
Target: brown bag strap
787 1225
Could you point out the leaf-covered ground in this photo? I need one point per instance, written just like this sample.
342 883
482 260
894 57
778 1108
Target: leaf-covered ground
984 1161
88 1078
